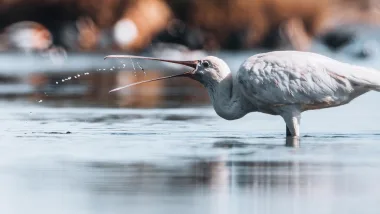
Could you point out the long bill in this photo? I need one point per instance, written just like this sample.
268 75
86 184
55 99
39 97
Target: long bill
192 64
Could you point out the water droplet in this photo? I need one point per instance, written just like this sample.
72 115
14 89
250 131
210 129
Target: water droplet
40 101
123 65
56 83
141 68
111 69
78 75
133 64
75 77
69 78
63 80
104 69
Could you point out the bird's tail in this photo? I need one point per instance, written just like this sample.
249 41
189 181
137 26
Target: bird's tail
367 77
376 81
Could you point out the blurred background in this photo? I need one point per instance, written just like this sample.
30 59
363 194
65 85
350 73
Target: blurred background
69 146
47 46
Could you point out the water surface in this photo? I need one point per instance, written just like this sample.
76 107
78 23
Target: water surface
94 160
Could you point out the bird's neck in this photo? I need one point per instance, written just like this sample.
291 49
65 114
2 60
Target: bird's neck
227 99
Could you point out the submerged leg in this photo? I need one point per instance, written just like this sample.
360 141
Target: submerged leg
292 142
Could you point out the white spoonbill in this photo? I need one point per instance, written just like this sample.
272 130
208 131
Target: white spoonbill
284 83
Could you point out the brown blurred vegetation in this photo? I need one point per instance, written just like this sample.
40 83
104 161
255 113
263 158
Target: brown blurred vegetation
261 22
198 24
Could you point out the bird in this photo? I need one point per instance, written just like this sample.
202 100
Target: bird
283 83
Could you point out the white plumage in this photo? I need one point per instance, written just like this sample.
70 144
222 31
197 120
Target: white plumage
284 83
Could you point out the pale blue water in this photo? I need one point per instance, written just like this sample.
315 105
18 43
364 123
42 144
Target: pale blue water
96 161
92 160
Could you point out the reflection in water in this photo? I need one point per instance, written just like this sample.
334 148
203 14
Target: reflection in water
230 144
134 161
292 142
217 185
221 186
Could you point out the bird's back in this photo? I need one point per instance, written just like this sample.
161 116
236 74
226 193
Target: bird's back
308 79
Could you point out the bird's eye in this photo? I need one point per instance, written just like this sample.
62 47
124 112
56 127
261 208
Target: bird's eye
205 64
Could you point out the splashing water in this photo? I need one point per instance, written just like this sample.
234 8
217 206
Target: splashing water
141 68
69 78
133 65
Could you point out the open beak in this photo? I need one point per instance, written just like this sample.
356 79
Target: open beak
192 64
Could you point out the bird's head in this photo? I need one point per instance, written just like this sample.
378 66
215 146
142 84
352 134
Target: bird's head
208 71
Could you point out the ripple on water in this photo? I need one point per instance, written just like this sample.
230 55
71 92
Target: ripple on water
136 133
230 144
176 117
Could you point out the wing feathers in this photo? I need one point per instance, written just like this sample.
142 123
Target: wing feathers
302 78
